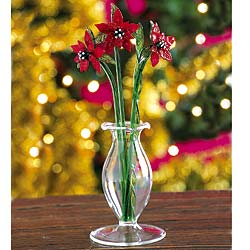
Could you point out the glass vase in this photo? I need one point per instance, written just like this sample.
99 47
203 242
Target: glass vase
127 182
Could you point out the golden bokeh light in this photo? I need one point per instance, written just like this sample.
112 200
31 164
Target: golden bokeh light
225 103
170 106
202 8
182 89
200 74
173 150
93 86
48 138
34 151
200 38
42 98
67 80
228 80
85 133
197 111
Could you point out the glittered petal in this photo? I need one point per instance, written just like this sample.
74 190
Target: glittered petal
165 54
155 33
76 59
98 52
118 18
88 41
84 65
156 28
154 37
154 49
95 63
104 27
154 58
170 40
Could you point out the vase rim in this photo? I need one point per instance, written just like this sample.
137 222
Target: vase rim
113 126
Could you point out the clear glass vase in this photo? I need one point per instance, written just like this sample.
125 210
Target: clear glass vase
127 182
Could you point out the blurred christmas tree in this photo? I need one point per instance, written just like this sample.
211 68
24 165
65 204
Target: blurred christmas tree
57 145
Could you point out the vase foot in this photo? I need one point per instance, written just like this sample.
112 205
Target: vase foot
127 235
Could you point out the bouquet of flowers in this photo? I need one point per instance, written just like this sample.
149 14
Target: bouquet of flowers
98 51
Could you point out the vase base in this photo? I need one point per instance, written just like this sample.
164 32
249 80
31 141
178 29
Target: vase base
127 235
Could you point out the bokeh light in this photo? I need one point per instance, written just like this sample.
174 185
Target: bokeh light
170 106
93 86
85 133
225 103
34 151
200 38
173 150
67 80
202 8
48 138
197 111
42 98
200 74
182 89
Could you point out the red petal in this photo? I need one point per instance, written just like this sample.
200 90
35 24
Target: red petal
104 27
154 58
118 18
88 40
118 42
165 54
154 37
75 48
76 59
95 63
127 45
84 65
109 47
81 46
154 49
98 52
170 40
155 28
131 27
155 33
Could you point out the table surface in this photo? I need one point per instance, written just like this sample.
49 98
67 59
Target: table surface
192 220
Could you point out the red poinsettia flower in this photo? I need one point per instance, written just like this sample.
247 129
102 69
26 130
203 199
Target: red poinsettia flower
118 32
87 53
161 45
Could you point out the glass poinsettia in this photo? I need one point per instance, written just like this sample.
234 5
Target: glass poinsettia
118 32
113 35
161 45
87 53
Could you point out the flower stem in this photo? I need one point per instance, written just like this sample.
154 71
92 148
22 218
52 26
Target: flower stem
141 62
127 204
111 79
134 120
119 87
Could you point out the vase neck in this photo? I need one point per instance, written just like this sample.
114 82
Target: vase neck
128 223
128 128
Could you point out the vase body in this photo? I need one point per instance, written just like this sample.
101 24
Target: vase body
127 182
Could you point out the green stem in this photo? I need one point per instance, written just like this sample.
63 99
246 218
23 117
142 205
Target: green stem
119 86
111 79
126 212
134 120
120 133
